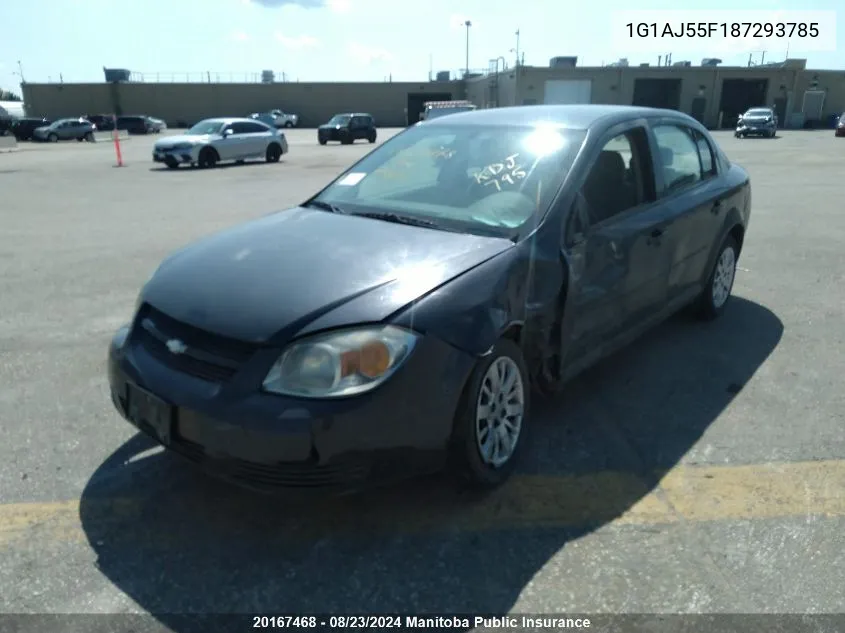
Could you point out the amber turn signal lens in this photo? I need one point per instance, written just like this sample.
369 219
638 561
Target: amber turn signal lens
374 359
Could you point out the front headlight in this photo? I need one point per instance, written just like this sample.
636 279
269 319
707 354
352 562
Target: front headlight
342 363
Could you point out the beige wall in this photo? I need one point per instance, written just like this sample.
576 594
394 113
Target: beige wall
190 102
316 102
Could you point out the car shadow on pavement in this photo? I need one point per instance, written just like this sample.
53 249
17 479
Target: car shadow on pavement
183 168
177 542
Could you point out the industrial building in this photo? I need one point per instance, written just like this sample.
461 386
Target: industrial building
712 93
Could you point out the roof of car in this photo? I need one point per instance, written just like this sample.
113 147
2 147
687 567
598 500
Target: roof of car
229 119
351 114
579 117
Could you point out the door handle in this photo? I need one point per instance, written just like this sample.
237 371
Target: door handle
717 207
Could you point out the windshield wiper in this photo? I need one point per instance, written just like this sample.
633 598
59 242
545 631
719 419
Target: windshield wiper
325 206
400 219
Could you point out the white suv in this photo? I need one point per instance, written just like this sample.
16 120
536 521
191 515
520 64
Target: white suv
217 140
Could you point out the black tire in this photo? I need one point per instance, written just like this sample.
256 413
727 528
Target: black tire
466 458
53 138
274 153
89 136
371 138
208 158
172 165
322 141
80 139
288 124
710 304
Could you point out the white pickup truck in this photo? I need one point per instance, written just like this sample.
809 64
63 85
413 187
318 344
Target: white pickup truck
285 119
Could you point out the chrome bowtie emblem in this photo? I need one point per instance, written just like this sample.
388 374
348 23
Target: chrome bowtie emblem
176 346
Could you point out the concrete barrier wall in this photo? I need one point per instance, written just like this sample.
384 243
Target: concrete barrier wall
8 142
187 103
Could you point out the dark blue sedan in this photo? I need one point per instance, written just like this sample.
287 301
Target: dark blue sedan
398 321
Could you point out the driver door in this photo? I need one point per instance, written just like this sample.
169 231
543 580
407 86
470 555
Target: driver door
228 147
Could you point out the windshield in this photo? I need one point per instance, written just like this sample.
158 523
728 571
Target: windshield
488 180
438 112
339 119
205 127
759 112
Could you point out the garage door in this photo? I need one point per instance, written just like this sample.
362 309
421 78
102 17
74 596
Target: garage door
563 91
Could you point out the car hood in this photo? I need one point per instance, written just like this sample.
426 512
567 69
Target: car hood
42 128
303 270
756 119
170 141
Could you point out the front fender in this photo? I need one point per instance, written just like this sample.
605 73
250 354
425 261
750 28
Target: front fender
518 288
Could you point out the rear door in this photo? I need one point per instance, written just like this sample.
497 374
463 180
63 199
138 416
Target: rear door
256 138
614 242
688 185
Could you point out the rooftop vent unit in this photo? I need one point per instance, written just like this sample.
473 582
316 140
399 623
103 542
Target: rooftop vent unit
645 65
115 75
268 76
563 62
443 75
682 64
710 61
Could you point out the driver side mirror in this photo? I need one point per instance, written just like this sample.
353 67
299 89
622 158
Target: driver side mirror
228 132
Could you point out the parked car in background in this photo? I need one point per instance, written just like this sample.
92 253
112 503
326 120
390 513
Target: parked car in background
24 128
65 130
6 125
348 128
157 124
135 124
840 125
265 117
103 122
218 140
757 122
285 119
384 326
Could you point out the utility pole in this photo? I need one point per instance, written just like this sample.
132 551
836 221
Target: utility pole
517 47
467 24
20 70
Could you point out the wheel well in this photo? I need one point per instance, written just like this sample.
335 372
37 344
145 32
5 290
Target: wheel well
209 148
274 144
514 333
738 233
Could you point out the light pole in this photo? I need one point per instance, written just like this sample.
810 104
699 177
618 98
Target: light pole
517 47
467 24
20 72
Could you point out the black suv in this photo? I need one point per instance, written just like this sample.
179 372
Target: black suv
23 128
347 128
136 124
104 122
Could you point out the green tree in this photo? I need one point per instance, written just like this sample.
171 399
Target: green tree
8 95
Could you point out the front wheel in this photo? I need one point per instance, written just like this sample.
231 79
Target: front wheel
273 154
207 158
89 136
718 289
288 124
490 423
322 141
53 138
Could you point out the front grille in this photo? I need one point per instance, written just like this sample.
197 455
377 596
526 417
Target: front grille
205 355
279 475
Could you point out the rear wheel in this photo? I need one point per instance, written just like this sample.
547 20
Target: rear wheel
372 137
715 297
274 153
208 158
491 419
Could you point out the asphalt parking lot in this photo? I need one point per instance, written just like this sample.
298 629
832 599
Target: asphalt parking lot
702 470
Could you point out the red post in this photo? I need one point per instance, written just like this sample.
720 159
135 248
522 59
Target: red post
116 136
